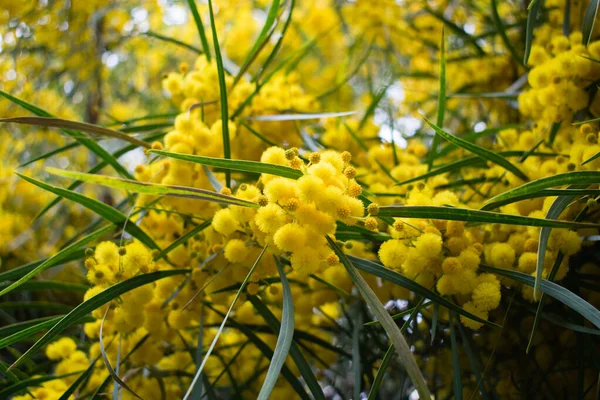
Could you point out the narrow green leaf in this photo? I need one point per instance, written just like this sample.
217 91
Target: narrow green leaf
214 182
257 133
379 270
567 178
216 338
40 284
79 381
174 41
50 154
473 360
153 188
24 333
236 165
385 362
390 352
118 381
546 193
502 31
558 292
49 122
589 20
7 392
57 258
264 35
592 158
299 117
467 215
18 326
80 137
266 351
21 271
473 136
104 210
99 390
557 207
532 15
95 302
200 27
223 93
356 361
441 102
284 340
456 372
484 95
183 239
405 355
479 151
295 353
457 30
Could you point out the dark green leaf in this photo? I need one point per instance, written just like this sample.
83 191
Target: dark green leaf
478 151
93 303
558 292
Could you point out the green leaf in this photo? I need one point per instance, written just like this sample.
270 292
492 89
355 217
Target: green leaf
404 354
568 178
49 122
236 165
19 272
117 380
531 21
558 292
200 27
216 338
473 136
457 30
473 360
40 284
174 41
299 117
592 158
284 340
25 332
183 239
589 21
214 182
79 381
546 193
379 270
456 372
57 258
502 31
104 210
50 154
356 361
17 326
98 167
223 93
295 353
266 351
441 101
7 392
153 188
80 137
95 302
478 151
264 35
557 207
385 362
467 215
390 351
